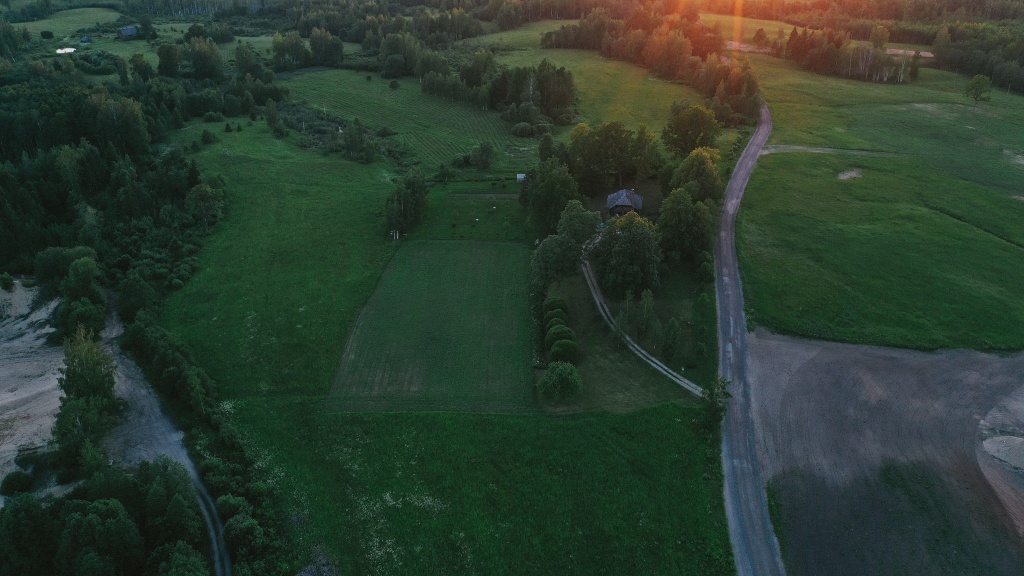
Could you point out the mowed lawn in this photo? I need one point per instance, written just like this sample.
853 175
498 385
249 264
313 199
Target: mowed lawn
448 328
901 256
436 130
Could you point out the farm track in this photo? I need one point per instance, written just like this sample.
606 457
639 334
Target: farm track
754 545
644 355
783 148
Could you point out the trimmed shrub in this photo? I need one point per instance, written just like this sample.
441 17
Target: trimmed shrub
555 314
6 281
558 333
15 483
555 303
554 322
561 380
523 129
565 351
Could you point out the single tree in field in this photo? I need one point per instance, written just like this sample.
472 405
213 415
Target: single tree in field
979 88
692 128
760 38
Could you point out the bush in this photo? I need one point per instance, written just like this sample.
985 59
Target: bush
393 85
561 380
6 281
558 333
208 137
227 127
555 303
16 482
523 129
555 314
565 351
554 322
213 117
46 35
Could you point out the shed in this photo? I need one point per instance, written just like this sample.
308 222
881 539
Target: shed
85 40
520 178
624 201
128 32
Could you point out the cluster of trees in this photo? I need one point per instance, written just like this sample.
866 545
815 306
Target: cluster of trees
89 202
830 53
995 51
678 47
403 209
536 97
119 523
290 51
828 14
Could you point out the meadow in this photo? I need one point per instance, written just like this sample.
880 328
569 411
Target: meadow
900 256
448 328
630 482
435 130
67 22
923 250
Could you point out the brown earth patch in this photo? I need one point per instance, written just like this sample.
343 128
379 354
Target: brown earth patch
870 453
847 175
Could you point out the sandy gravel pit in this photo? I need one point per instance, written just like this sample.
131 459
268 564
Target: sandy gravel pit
876 457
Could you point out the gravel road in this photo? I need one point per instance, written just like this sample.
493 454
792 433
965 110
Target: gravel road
754 545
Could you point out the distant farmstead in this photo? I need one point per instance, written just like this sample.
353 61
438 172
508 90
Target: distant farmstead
624 201
128 32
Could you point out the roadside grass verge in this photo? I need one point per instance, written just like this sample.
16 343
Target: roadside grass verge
901 256
448 328
436 130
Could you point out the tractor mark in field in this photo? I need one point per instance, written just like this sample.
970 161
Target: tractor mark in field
783 148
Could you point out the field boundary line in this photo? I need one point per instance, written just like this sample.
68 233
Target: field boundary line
602 307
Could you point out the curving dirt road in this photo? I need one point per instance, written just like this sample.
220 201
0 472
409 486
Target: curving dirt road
754 544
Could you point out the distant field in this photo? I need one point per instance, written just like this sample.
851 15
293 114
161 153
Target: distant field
526 37
448 328
435 130
609 89
66 22
901 256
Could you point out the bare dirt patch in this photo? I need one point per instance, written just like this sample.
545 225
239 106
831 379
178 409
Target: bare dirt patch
849 174
871 453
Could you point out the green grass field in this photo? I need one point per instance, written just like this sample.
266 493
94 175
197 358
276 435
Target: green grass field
924 250
901 256
67 22
448 329
633 485
436 130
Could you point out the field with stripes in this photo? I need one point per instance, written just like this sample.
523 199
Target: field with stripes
435 130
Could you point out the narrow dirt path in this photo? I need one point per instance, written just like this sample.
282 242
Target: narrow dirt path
754 544
644 355
780 148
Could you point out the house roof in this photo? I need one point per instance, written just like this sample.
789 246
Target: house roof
129 31
626 198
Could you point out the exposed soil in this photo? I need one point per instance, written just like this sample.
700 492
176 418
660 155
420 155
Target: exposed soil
849 174
876 458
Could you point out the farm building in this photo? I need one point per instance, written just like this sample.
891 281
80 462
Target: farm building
128 32
624 201
85 40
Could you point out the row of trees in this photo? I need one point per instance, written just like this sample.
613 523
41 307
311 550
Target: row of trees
830 53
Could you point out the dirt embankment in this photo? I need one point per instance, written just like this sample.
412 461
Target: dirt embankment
873 454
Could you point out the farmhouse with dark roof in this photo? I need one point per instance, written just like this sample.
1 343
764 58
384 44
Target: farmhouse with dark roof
624 201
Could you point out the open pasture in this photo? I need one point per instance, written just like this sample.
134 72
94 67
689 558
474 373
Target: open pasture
611 90
900 255
67 22
476 211
435 130
448 328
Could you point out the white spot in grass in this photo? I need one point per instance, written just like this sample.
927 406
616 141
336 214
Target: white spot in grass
855 173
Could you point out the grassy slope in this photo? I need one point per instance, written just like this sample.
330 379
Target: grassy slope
448 328
282 281
66 22
436 130
923 251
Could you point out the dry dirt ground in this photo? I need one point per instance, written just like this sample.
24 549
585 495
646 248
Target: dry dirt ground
877 461
29 396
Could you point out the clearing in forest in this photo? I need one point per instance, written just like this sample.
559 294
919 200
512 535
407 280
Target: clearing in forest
447 329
